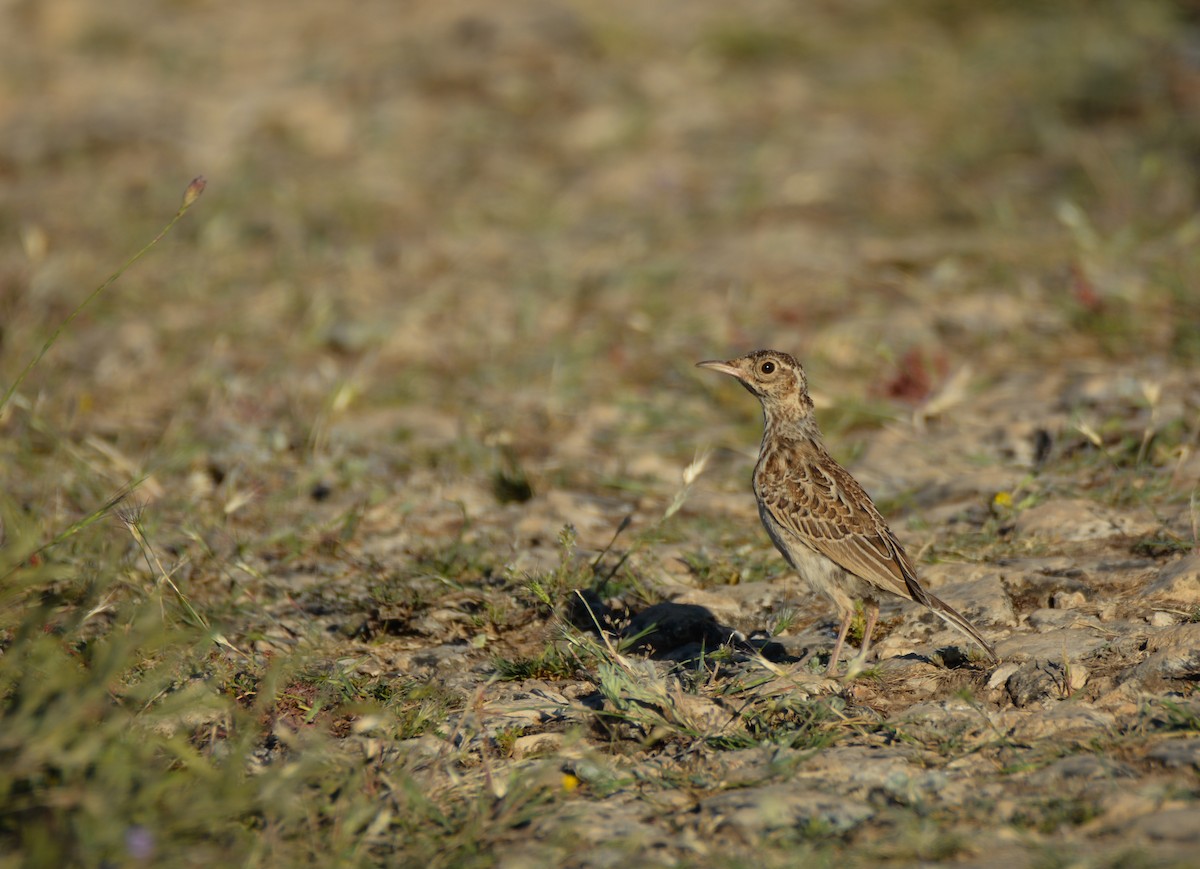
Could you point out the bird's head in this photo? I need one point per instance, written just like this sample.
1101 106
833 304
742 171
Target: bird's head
776 378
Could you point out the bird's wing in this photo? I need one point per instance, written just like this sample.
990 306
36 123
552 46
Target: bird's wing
825 507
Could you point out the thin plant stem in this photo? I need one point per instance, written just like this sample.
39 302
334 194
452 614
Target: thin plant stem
189 197
74 528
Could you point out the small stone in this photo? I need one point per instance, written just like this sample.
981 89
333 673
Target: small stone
1160 619
1177 753
1178 581
1036 681
977 591
860 771
592 827
534 744
754 811
421 749
1066 723
1067 600
1045 619
1071 644
1172 825
1081 768
1001 674
1175 654
1075 519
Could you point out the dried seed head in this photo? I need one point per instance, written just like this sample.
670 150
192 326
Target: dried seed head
194 190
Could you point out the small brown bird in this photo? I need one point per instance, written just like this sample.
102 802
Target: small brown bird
818 516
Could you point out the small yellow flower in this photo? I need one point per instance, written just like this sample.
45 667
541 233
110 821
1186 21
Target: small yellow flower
569 782
1002 500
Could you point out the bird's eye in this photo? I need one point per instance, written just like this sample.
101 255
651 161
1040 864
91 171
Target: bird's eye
767 367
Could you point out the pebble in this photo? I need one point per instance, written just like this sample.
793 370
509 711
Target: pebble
1076 519
1175 654
536 743
1177 753
755 811
1064 600
1178 582
1071 644
1036 680
978 592
1045 619
1081 768
860 771
1181 826
1067 723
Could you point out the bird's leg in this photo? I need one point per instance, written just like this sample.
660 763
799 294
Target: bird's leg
837 644
872 609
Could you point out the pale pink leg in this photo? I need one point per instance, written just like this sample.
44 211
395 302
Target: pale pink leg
872 609
837 644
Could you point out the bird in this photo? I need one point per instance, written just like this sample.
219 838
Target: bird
819 517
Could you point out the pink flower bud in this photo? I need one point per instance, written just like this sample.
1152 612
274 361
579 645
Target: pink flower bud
194 190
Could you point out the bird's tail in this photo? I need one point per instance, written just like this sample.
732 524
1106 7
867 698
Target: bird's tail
956 620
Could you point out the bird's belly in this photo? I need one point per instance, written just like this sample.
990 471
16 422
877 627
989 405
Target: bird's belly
819 571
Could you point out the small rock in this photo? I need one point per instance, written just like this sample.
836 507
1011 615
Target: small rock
1178 581
1161 619
421 749
1067 600
1175 654
433 659
1096 389
1036 681
1176 753
702 715
1045 619
1000 674
590 826
1047 565
861 771
977 591
1081 768
754 811
1036 586
1074 519
1172 825
749 767
1071 644
1066 723
1126 807
536 743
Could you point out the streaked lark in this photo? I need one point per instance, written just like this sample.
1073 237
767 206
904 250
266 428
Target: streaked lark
818 516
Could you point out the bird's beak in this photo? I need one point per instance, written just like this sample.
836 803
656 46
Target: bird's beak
723 367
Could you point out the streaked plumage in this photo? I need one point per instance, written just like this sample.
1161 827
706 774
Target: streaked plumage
819 517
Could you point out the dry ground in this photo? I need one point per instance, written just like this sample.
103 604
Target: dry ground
378 515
